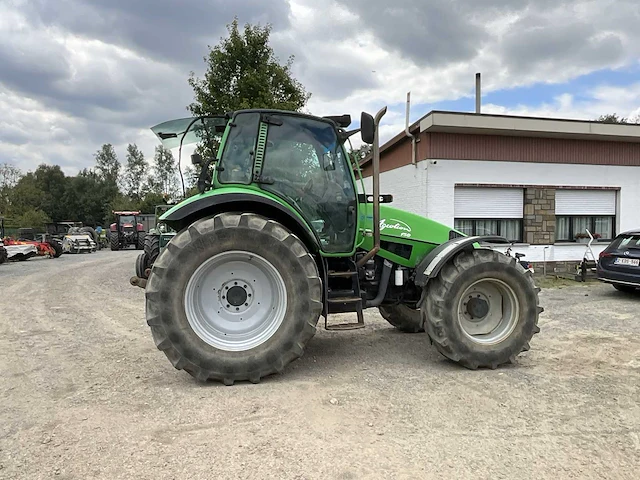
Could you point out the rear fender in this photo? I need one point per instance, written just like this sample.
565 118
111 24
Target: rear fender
431 264
181 218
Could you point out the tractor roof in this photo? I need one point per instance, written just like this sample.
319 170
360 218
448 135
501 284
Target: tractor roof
170 133
126 213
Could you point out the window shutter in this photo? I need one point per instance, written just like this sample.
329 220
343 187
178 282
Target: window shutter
585 202
488 202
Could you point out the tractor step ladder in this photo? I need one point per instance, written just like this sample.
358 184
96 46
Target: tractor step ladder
345 300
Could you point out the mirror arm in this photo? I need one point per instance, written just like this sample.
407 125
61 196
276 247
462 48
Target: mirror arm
376 190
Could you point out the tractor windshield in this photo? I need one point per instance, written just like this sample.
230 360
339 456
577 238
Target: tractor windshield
305 163
127 220
189 130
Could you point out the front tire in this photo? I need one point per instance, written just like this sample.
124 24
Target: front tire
140 240
233 297
625 288
482 309
404 318
114 241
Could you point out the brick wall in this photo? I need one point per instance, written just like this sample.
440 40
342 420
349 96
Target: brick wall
540 216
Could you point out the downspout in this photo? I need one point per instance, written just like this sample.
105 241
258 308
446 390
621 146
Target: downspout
414 139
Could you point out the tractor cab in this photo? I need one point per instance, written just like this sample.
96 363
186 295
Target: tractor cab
299 160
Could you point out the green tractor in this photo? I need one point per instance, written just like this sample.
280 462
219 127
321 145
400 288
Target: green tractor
279 235
155 240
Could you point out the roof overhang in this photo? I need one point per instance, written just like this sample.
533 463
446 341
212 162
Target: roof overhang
509 125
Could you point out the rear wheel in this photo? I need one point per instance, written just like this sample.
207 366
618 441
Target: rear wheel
403 317
152 248
141 265
57 247
625 288
233 297
482 309
114 241
4 256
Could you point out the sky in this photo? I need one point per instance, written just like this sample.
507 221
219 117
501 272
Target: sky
75 74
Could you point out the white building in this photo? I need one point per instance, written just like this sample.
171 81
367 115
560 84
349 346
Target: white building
537 181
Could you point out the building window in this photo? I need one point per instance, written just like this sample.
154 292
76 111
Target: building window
570 228
510 228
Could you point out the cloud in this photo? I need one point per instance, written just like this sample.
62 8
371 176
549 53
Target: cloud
79 73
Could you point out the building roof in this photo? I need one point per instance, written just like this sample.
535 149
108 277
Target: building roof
512 125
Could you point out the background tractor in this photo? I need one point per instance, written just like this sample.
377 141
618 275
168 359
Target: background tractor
279 235
156 239
126 231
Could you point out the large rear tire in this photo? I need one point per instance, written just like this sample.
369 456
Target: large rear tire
482 309
234 297
403 317
4 255
140 240
152 248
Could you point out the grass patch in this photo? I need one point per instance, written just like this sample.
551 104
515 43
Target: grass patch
552 281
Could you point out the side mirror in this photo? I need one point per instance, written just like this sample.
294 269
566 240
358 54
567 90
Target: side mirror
367 128
196 159
328 163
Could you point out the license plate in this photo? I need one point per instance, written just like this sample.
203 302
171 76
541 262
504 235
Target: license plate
634 262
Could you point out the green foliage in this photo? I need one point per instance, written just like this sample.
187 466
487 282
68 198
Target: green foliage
164 180
9 176
243 72
614 118
32 218
134 172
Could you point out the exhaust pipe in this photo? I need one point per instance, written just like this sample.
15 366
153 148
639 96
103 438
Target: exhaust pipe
478 93
413 138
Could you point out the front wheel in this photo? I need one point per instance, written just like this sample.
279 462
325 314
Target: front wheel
625 288
233 297
482 309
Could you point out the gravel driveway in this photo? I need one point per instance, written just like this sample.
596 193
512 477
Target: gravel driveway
84 393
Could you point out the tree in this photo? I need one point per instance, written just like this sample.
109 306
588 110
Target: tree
9 177
107 164
614 118
51 181
134 172
164 179
243 72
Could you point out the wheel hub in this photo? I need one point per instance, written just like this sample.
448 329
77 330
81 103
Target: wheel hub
488 311
477 307
236 295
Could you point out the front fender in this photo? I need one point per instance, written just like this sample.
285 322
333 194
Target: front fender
431 264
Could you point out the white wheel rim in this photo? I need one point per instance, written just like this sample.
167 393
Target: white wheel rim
235 301
496 314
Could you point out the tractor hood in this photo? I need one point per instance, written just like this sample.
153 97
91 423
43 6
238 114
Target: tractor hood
409 226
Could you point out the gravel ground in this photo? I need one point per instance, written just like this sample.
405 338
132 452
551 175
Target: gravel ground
84 393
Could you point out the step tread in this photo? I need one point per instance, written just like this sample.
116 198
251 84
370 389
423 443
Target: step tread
344 299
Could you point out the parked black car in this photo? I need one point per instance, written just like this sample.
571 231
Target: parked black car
619 263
